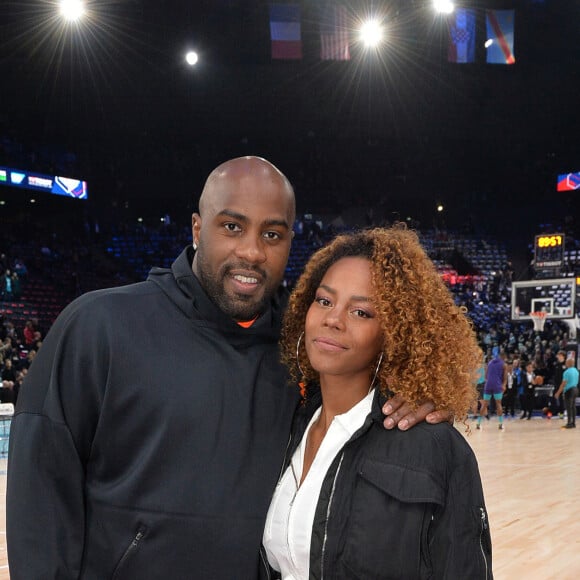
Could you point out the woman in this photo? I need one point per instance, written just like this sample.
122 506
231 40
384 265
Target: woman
370 317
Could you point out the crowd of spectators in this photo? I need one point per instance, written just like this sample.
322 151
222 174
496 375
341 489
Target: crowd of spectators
125 253
17 351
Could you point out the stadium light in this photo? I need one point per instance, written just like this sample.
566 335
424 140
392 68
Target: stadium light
371 33
191 58
443 6
72 10
440 208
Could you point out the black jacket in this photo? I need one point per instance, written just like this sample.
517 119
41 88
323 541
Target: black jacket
147 438
399 505
528 387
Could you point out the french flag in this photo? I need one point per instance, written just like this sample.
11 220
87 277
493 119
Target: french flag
285 31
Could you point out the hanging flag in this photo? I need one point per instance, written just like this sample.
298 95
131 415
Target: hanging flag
462 36
285 31
500 36
334 32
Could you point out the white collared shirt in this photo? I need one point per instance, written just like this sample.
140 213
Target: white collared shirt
288 530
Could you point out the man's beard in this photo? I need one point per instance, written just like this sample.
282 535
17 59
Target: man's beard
238 306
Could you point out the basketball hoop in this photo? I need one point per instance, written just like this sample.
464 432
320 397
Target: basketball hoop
539 319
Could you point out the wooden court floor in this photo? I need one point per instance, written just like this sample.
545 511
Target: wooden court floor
531 478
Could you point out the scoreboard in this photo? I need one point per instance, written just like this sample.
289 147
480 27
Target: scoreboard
549 251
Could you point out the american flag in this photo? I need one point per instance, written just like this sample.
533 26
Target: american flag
334 32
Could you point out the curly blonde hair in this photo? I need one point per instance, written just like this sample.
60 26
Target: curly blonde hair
430 350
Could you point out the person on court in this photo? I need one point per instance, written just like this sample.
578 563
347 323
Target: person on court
150 431
569 386
495 385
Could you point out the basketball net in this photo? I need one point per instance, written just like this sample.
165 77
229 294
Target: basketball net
539 319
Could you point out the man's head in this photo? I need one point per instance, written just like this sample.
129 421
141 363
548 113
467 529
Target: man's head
561 356
569 363
243 234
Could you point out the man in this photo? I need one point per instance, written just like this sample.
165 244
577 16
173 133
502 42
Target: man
111 476
570 387
509 397
559 368
495 385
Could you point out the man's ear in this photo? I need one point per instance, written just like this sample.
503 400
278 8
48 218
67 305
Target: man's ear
195 228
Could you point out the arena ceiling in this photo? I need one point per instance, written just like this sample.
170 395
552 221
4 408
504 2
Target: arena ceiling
397 130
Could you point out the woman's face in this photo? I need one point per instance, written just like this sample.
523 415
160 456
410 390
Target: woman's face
342 331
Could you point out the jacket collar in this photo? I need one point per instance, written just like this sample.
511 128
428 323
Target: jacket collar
313 401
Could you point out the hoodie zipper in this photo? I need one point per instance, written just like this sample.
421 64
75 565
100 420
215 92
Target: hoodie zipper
328 515
483 530
132 547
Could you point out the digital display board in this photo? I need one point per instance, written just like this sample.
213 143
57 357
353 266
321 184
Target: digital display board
569 181
54 184
549 250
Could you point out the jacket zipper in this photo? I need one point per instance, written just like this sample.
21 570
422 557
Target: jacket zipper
283 468
289 514
328 515
288 530
266 564
132 547
483 529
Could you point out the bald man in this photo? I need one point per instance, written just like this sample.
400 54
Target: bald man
150 431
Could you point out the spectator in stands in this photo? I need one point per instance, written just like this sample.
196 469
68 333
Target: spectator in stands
569 386
342 339
30 356
8 382
10 329
16 287
20 268
529 387
181 474
7 285
29 333
5 349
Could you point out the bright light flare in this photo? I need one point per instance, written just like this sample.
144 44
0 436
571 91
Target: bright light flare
191 58
440 208
443 6
371 33
72 10
488 42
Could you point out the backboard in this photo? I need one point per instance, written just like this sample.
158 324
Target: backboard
556 297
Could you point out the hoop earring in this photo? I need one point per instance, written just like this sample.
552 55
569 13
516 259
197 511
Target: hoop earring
302 381
297 353
376 371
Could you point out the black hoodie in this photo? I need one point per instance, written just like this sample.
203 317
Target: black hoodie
148 438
